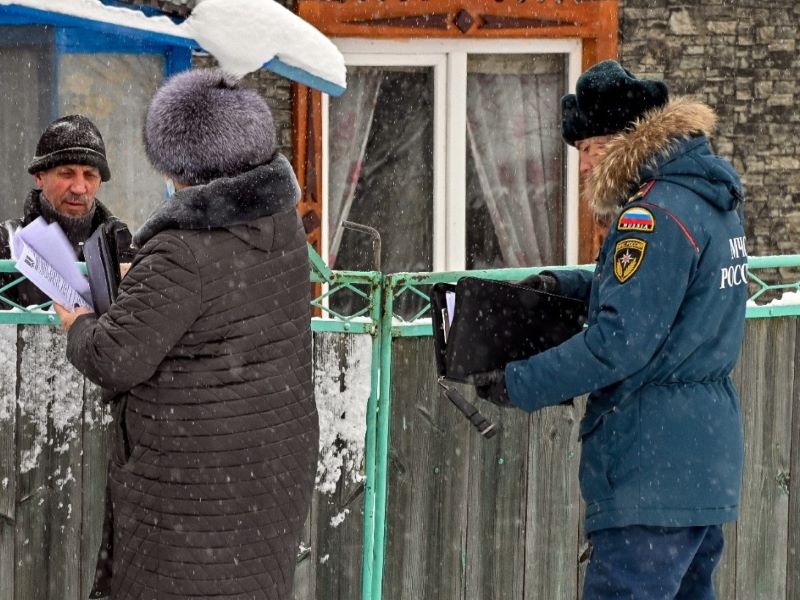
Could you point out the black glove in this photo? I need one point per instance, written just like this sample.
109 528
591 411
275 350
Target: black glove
491 386
544 282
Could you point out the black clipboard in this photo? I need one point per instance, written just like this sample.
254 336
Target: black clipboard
102 266
496 322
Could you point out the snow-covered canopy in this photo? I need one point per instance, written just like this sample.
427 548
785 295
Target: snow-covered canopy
243 35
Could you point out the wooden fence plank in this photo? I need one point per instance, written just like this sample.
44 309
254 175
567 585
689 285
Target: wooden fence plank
765 378
496 508
96 427
551 557
8 467
584 550
50 401
33 492
304 588
793 551
342 384
427 507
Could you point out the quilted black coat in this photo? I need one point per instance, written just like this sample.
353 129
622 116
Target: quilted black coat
207 351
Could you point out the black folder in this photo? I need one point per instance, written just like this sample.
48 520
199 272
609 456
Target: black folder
496 322
102 266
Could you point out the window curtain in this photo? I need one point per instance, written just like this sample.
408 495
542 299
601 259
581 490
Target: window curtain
350 125
513 133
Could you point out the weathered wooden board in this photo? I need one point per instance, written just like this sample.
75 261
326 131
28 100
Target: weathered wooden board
793 550
8 464
765 376
330 565
48 457
552 545
96 424
496 506
428 472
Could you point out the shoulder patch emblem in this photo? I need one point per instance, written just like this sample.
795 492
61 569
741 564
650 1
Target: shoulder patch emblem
628 257
636 219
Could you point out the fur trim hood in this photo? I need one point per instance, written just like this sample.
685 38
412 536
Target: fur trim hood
226 202
651 140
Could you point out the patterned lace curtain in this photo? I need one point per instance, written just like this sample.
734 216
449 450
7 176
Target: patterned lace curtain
513 135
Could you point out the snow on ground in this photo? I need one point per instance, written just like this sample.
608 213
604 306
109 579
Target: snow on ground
243 35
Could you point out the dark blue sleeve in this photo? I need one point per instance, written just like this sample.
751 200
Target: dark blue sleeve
574 283
637 306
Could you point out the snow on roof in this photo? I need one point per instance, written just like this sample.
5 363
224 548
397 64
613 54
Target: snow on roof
243 35
174 7
94 10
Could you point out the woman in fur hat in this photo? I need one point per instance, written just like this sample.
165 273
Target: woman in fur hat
207 354
662 440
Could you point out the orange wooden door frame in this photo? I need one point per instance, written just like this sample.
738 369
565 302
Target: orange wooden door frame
595 22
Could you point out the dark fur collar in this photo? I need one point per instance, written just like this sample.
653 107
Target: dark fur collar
268 189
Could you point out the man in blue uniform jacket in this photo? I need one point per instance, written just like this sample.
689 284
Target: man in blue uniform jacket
662 440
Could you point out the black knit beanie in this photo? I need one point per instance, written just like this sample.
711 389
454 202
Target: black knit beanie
607 100
73 139
201 125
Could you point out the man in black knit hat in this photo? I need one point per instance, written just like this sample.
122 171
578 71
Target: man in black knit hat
68 169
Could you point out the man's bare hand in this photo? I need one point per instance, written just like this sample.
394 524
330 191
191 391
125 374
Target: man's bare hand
68 316
123 269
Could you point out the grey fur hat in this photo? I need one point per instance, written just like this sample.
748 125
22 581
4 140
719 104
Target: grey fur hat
201 125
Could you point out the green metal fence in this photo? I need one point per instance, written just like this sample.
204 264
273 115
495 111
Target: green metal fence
370 310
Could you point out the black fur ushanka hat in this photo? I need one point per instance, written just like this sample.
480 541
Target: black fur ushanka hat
607 100
201 125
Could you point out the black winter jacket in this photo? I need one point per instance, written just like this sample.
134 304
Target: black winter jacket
208 350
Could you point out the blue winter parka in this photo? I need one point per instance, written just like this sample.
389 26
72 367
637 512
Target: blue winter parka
661 437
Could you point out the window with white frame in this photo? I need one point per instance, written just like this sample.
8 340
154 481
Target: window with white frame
452 150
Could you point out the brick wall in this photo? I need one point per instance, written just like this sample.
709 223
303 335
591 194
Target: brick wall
743 59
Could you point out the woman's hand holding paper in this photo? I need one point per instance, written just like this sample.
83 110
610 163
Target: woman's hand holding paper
67 316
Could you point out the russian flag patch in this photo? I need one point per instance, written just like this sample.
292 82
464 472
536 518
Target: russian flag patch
636 219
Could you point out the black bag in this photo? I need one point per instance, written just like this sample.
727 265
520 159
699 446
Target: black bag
102 265
496 322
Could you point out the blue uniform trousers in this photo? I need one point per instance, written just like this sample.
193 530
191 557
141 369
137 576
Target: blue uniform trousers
653 563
